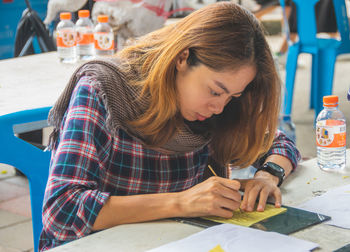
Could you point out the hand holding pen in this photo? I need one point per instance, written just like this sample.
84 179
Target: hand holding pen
215 196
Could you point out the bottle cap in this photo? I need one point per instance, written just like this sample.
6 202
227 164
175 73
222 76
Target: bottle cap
84 13
330 101
65 15
102 18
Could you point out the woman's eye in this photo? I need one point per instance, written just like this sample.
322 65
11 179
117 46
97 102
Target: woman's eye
237 95
212 92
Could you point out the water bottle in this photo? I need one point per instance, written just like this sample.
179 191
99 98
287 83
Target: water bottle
104 37
66 39
85 36
331 136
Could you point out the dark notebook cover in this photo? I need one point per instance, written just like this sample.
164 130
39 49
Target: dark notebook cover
291 221
345 248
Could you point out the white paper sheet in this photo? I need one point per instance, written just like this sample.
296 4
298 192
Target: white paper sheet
235 238
334 203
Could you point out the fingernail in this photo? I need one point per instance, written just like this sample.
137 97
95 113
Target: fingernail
260 208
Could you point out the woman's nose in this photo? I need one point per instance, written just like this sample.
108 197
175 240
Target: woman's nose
216 107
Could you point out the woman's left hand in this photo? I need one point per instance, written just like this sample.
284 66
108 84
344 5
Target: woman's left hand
261 186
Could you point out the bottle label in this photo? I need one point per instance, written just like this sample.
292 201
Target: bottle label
104 41
331 133
66 38
85 38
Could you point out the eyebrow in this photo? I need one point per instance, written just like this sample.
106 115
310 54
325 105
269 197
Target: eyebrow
222 86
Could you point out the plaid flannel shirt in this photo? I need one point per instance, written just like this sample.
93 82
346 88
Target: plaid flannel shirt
89 164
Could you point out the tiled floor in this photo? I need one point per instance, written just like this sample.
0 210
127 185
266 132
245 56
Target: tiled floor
15 215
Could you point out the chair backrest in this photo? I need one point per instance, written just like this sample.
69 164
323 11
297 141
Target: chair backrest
306 21
342 25
30 160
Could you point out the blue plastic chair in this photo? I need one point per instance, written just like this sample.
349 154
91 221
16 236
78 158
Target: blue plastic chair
30 160
324 52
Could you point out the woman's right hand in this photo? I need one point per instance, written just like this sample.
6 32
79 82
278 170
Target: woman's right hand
215 196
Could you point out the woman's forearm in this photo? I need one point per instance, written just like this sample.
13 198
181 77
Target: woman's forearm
213 197
136 208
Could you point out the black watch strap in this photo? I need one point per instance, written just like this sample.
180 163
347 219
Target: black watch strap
274 169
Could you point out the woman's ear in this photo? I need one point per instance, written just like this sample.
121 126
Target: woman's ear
181 62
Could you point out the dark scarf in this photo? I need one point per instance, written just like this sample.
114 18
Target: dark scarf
122 103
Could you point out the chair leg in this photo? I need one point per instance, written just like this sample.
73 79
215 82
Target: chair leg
36 207
314 81
291 67
326 61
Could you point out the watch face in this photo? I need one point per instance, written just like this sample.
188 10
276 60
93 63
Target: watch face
274 169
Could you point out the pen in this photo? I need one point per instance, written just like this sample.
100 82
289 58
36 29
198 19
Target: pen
212 170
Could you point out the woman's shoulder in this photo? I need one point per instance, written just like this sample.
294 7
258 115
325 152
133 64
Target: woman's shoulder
102 70
102 73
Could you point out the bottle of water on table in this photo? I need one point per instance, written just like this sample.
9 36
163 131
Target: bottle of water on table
331 136
85 36
66 39
104 37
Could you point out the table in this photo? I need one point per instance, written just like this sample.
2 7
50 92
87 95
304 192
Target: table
307 181
32 81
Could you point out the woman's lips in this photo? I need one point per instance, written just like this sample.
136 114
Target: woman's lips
200 117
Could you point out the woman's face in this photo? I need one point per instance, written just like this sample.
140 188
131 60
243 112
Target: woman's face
203 92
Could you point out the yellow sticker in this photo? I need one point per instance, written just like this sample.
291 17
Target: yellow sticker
218 248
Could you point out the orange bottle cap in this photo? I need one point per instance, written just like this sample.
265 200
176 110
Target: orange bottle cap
102 18
330 101
84 13
65 15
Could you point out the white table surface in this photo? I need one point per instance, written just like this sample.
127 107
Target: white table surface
307 181
32 81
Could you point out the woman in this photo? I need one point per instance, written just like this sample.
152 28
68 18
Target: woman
135 134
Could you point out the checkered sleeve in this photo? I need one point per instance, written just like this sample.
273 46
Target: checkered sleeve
73 198
285 147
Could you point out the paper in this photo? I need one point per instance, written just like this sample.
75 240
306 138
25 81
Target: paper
247 219
229 237
334 203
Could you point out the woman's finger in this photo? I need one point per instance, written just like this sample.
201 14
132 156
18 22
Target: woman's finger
264 194
252 197
278 197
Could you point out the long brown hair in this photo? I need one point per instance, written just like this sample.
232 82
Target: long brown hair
222 36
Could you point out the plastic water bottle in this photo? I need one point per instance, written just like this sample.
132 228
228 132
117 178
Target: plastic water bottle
66 39
85 36
104 37
331 136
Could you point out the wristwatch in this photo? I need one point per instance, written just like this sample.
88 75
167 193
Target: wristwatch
274 169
